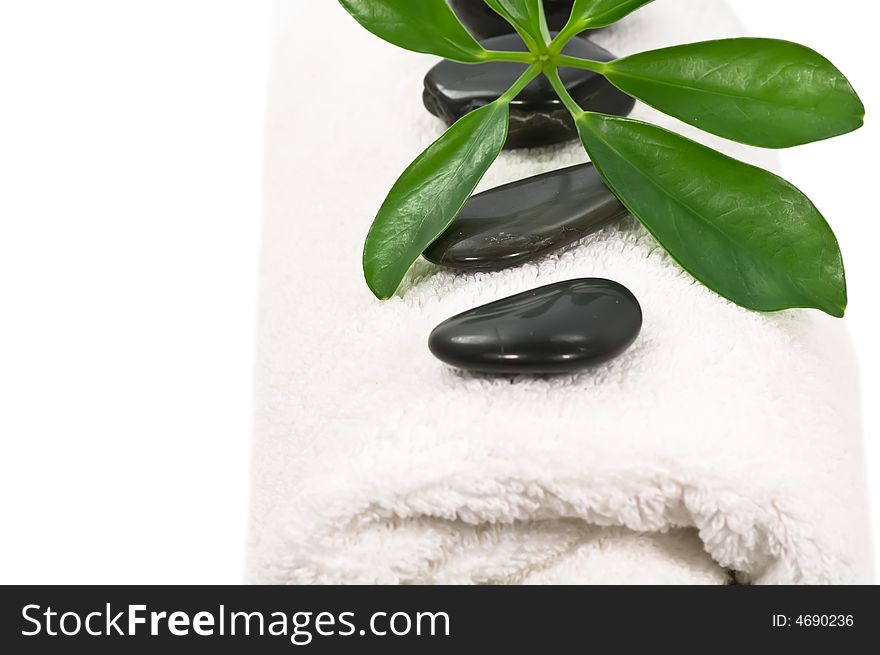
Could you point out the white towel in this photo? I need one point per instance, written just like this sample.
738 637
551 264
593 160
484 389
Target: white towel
723 443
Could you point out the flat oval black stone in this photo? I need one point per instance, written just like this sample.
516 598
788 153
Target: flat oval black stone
483 22
511 224
537 116
559 328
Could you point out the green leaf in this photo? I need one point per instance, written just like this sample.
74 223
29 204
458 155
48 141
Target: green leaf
427 26
430 194
527 16
762 92
592 14
743 232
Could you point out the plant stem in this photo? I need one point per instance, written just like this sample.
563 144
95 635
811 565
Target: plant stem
562 92
545 28
571 30
586 64
519 57
533 71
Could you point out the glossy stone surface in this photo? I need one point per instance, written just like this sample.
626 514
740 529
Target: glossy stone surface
537 116
483 22
559 328
511 224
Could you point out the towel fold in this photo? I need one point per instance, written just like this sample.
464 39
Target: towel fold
724 445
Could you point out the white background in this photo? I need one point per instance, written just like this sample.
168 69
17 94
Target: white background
130 157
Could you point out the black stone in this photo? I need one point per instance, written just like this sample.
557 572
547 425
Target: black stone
537 116
483 22
559 328
514 223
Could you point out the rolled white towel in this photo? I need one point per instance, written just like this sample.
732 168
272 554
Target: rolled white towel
724 442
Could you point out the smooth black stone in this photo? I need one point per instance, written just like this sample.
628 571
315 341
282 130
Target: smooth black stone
511 224
483 22
559 328
537 116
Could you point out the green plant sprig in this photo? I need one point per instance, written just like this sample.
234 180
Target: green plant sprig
745 233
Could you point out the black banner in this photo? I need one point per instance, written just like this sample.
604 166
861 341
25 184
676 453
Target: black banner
431 619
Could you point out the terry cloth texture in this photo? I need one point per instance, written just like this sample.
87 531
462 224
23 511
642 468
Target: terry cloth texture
723 443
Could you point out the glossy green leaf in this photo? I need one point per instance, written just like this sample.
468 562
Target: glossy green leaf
427 26
592 14
527 16
429 195
764 92
743 232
